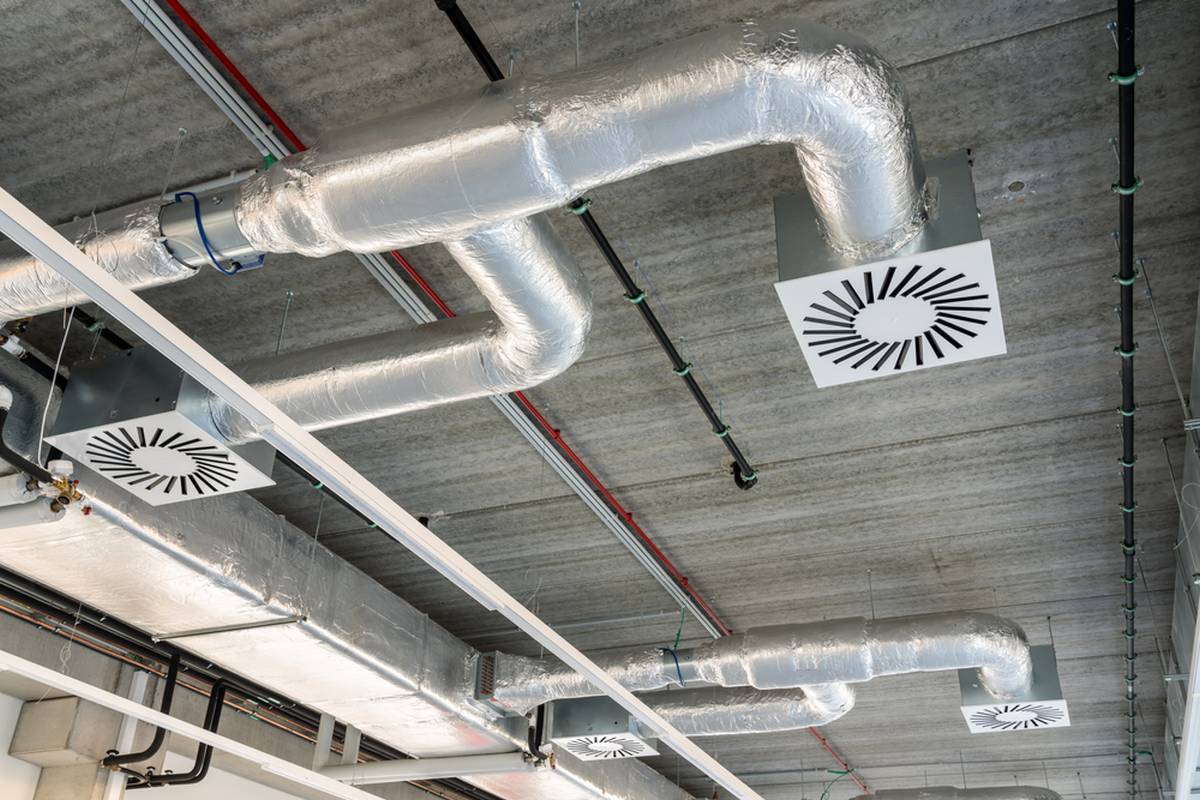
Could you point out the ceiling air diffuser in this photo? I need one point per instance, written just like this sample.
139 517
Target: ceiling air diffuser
933 303
124 417
1043 706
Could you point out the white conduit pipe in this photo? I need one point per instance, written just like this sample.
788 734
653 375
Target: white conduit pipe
472 170
796 657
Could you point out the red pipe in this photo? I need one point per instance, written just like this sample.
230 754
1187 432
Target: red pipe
841 761
235 73
412 273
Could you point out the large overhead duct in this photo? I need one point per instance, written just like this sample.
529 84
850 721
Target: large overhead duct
471 171
787 677
793 656
525 145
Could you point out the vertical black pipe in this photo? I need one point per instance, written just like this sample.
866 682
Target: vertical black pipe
160 734
744 474
1125 187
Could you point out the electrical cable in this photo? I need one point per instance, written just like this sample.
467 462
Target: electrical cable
1125 188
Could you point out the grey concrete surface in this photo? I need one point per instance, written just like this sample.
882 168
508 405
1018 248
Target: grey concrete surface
988 485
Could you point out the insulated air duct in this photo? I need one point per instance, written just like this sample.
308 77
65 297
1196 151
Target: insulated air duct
473 171
787 677
954 793
793 656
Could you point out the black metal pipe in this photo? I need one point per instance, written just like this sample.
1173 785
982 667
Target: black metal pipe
160 734
1125 187
35 471
45 370
199 770
744 474
461 24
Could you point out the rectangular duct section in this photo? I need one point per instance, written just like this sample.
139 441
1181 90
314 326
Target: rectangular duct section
357 651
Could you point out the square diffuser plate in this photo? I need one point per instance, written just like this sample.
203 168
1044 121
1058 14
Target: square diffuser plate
605 746
1017 716
907 313
1042 706
161 458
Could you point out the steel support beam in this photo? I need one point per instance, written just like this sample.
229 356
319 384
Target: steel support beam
40 240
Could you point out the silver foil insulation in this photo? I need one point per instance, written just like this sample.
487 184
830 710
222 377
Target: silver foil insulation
474 171
526 145
536 328
819 659
127 245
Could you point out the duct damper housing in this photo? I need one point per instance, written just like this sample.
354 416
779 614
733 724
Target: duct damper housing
932 302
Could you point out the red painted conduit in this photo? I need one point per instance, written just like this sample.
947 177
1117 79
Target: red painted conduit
554 433
198 30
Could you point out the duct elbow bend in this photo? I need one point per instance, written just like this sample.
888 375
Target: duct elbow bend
540 299
996 647
843 106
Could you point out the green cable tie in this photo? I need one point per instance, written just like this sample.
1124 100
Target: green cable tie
1130 635
721 434
1128 581
684 370
1125 463
1127 281
1126 80
679 633
639 297
1125 191
318 485
1126 353
268 161
373 525
581 207
1129 510
1129 550
752 476
1129 609
1128 412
